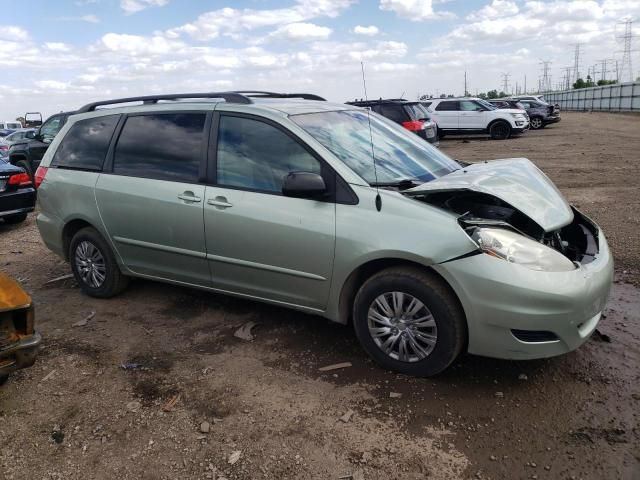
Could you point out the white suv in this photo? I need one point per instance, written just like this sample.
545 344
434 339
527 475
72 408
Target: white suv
474 115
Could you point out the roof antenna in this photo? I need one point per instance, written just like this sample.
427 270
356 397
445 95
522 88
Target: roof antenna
373 154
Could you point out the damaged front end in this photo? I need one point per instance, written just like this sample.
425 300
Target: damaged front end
19 342
481 213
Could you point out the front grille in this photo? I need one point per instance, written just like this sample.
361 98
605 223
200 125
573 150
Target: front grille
535 336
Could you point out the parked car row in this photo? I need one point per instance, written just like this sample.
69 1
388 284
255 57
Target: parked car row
540 113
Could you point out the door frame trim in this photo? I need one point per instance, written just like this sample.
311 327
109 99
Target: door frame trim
262 266
155 246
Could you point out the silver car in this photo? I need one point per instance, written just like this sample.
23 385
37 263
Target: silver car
328 209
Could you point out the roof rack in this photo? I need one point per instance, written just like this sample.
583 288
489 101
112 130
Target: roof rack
240 96
231 97
261 94
362 102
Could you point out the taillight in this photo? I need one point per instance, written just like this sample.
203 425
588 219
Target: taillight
20 179
41 172
413 125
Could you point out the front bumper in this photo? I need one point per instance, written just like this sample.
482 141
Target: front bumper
499 297
17 202
19 354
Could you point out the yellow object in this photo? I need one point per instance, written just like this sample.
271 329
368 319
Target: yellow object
12 296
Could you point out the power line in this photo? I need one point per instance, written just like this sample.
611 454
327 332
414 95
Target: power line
545 82
576 63
505 82
626 69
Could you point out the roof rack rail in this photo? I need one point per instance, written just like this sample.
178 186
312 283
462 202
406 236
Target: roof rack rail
261 94
231 97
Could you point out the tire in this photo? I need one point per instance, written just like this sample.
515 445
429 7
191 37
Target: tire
536 123
26 166
15 219
94 265
500 130
443 321
3 379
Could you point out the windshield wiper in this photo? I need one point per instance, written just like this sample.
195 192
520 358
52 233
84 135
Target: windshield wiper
403 184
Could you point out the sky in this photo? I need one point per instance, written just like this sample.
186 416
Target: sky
59 55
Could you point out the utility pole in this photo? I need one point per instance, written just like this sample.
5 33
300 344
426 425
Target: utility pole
525 84
567 78
576 63
466 92
546 79
626 70
505 82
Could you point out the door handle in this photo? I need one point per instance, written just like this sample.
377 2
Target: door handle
189 197
219 202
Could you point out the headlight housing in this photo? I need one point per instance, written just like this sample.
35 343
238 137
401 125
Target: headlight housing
516 248
517 115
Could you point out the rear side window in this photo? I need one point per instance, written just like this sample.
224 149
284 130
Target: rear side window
86 143
258 156
447 106
164 146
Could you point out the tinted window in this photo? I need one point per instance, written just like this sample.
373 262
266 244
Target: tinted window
166 146
258 156
86 143
447 106
51 127
394 112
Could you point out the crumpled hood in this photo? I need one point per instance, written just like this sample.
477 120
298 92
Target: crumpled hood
516 181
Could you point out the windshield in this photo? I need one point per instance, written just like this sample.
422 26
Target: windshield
399 154
484 103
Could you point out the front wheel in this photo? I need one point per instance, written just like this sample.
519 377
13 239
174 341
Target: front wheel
408 320
500 130
536 123
94 265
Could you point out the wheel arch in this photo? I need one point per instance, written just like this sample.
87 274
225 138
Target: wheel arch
496 120
69 230
364 271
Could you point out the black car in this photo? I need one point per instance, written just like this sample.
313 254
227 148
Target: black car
27 153
540 113
17 195
411 115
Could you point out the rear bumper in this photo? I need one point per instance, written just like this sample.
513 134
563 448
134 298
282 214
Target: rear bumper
557 311
549 120
20 201
20 354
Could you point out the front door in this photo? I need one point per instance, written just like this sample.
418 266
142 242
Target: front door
151 202
472 115
259 242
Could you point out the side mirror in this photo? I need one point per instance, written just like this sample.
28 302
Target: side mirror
303 185
31 134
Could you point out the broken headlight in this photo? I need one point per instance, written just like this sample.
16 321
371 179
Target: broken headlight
515 248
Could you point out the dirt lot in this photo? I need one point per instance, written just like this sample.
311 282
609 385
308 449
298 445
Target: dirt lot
78 414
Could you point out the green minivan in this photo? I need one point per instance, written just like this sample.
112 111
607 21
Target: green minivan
329 209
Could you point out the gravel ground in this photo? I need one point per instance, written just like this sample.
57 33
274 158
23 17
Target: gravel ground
193 401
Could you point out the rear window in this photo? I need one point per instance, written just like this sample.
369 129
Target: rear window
416 111
394 112
166 146
85 145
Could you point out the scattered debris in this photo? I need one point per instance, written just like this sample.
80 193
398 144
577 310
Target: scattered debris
132 366
59 279
493 458
347 416
48 375
335 366
603 337
234 457
84 321
523 376
395 395
499 394
134 406
57 434
205 427
169 404
244 332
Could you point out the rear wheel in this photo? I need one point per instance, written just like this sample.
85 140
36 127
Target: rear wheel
536 123
94 265
408 320
13 219
500 130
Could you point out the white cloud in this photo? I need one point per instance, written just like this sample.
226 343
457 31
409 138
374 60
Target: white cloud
13 33
370 31
134 6
57 46
414 10
302 31
90 18
496 9
137 45
52 85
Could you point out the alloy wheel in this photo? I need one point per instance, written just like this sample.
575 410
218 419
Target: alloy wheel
402 326
90 264
536 123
